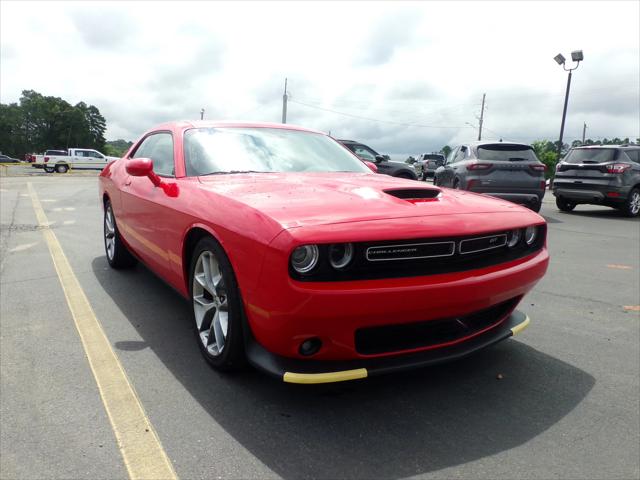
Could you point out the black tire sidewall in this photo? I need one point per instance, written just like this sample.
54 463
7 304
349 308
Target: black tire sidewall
232 356
61 168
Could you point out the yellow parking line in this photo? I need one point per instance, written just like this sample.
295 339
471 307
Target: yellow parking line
139 444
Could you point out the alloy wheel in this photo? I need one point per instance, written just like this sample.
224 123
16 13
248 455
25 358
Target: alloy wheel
109 233
210 303
634 204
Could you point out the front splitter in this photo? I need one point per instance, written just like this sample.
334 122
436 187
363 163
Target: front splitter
314 371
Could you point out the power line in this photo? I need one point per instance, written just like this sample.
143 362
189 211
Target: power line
374 119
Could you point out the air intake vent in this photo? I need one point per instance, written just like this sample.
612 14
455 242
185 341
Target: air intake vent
414 193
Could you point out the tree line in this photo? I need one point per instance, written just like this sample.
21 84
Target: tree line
39 122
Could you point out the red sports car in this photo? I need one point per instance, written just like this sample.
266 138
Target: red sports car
296 257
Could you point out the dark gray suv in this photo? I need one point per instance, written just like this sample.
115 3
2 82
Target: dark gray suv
599 175
385 166
510 171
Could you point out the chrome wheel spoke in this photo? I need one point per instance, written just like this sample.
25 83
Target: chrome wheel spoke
210 303
109 233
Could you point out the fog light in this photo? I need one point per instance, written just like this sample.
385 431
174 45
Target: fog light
530 235
515 237
305 258
310 346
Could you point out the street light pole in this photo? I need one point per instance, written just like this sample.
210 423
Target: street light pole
564 115
577 57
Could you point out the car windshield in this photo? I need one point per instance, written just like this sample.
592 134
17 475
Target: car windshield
502 152
235 150
590 155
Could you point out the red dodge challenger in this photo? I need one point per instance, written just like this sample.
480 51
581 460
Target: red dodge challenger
296 257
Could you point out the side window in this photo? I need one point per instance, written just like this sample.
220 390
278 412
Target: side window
363 153
452 155
159 148
461 154
95 154
634 155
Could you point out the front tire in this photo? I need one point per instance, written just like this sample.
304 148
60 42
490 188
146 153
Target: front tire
631 207
117 254
216 306
564 205
404 175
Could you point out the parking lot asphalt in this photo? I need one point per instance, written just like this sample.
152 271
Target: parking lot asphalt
561 400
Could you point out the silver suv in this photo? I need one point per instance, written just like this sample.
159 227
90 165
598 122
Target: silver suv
510 171
601 175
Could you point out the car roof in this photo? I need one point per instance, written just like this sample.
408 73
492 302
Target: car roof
596 147
185 124
480 143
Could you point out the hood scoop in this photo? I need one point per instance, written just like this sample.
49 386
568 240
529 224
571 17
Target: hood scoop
414 195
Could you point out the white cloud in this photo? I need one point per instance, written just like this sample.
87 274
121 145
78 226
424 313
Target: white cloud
421 63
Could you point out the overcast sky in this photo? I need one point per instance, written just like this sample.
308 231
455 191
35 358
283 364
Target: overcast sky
405 78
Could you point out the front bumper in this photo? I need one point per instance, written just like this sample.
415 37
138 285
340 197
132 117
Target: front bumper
313 371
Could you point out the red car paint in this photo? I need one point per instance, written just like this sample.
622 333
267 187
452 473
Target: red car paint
260 218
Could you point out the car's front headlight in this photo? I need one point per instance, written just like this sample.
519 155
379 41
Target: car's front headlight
514 237
305 258
530 235
340 255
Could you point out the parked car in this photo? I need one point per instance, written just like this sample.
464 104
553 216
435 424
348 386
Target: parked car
599 175
77 158
295 256
510 171
427 164
384 164
8 159
38 161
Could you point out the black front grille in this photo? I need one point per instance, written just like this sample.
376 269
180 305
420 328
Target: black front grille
423 256
395 338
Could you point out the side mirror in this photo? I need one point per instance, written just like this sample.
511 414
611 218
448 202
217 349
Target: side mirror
380 158
139 167
371 165
143 167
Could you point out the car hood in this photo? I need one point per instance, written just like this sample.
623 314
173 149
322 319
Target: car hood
305 199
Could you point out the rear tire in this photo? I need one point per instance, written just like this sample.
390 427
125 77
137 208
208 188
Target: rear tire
565 205
216 306
62 168
49 169
117 254
536 206
631 207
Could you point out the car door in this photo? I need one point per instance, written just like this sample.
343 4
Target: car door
445 173
147 208
96 160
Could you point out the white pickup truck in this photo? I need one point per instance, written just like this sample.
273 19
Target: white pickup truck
76 158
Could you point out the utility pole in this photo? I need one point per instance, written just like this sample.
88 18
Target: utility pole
481 118
201 113
284 103
584 129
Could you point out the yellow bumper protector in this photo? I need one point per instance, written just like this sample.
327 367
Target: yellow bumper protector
328 377
521 326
